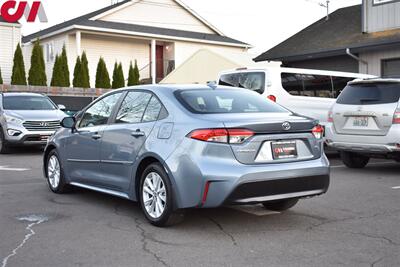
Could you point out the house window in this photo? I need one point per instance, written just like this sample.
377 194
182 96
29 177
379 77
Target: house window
379 2
49 52
390 67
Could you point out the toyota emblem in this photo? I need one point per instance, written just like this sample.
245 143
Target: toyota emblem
286 126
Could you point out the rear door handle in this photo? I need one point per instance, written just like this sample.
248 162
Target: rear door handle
137 133
96 136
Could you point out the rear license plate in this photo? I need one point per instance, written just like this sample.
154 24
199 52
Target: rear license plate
284 150
360 121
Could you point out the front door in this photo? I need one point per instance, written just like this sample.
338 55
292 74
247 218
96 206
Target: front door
160 61
124 138
83 146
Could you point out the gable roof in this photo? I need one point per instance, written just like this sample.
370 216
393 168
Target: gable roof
87 22
331 38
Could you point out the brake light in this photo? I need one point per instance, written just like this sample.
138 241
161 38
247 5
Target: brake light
272 98
232 136
318 131
396 116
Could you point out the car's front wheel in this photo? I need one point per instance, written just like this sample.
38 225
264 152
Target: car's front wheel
4 149
281 205
55 173
156 197
354 160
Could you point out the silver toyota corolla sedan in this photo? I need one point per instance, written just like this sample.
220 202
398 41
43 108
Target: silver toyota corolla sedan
178 147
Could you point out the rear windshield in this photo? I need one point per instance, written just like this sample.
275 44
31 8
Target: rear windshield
254 81
27 103
370 94
225 101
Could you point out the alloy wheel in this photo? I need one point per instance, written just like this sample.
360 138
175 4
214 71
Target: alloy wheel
154 195
53 171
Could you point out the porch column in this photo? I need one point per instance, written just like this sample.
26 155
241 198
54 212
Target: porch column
78 42
153 62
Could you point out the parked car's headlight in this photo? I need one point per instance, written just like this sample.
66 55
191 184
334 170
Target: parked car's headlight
12 119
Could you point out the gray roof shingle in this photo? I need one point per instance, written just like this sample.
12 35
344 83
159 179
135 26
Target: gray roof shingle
330 38
85 21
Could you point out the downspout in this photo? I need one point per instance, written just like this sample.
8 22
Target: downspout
348 52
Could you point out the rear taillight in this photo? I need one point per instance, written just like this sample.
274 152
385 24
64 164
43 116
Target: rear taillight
396 116
318 131
272 98
232 136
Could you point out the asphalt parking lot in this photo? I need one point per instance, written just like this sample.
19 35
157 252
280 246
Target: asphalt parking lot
357 223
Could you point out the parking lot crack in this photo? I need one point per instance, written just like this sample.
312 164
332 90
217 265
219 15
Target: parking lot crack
144 239
377 261
221 228
34 220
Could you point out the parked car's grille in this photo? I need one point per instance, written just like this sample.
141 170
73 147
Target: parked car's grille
42 125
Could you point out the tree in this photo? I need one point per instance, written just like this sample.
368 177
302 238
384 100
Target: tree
118 76
85 71
1 78
56 79
134 76
77 82
64 71
18 76
37 71
102 76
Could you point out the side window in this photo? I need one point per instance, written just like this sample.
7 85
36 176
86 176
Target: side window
339 83
153 110
133 107
99 113
308 85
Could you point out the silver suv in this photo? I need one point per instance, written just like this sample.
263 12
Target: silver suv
365 122
27 119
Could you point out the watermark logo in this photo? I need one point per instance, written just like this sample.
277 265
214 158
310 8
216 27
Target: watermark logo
13 11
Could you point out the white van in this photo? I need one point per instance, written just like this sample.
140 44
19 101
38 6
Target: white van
303 91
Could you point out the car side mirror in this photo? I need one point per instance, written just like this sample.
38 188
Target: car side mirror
61 107
68 122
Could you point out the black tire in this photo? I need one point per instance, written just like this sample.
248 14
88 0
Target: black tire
62 186
4 148
169 216
354 160
281 205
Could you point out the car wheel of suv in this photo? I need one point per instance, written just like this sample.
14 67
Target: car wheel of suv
281 205
3 145
156 197
55 174
354 160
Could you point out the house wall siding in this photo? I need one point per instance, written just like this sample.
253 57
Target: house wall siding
10 37
112 49
381 17
374 59
339 63
158 13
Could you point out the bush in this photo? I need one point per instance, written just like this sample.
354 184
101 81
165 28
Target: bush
37 72
56 76
64 70
102 76
1 78
118 76
134 76
77 81
18 76
85 71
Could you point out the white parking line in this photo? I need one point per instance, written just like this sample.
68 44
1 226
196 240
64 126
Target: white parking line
396 187
6 168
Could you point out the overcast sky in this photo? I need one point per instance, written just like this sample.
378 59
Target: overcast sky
262 23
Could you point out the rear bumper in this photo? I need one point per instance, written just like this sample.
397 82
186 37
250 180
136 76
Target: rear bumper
364 143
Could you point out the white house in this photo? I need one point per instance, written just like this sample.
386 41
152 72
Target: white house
10 34
166 32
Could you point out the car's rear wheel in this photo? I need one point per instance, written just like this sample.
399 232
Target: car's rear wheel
281 205
55 173
4 149
156 197
354 160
